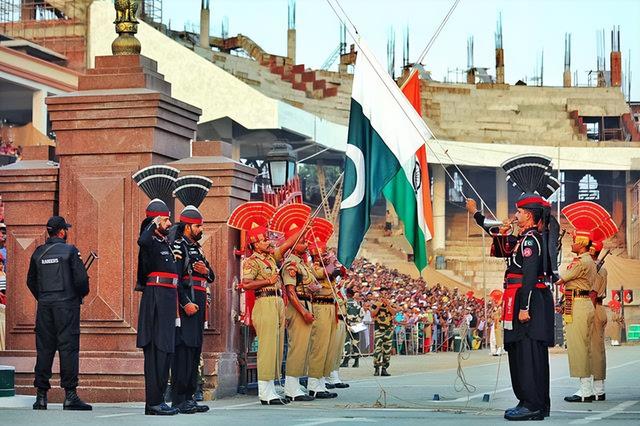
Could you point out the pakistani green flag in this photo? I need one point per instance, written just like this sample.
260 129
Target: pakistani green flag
385 132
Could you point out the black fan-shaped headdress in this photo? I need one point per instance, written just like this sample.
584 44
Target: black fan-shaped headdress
548 186
157 181
528 172
192 190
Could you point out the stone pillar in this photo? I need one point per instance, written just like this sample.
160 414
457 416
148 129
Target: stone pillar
502 195
439 201
232 182
29 193
122 118
39 111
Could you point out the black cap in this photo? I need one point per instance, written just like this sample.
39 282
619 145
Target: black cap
56 223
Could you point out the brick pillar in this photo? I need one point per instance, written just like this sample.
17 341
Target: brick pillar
616 69
232 182
500 66
122 118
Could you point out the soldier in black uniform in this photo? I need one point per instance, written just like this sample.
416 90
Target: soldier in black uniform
58 280
528 306
192 292
158 316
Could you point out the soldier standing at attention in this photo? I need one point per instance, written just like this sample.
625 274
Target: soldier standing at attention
260 274
355 313
58 281
196 274
578 280
584 289
382 312
598 354
323 332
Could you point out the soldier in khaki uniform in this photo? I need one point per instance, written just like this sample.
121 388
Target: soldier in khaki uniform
578 280
260 274
321 362
336 349
598 355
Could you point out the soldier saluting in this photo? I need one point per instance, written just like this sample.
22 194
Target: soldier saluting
195 275
158 280
58 281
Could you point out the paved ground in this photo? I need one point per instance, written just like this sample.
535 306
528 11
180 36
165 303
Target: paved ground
405 398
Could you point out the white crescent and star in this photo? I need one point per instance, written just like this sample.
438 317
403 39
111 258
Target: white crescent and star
357 157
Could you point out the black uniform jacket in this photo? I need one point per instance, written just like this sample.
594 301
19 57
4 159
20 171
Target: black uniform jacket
57 276
525 260
192 288
159 302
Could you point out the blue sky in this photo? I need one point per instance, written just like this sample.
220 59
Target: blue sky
529 26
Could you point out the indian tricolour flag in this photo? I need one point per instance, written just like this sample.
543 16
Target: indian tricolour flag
384 141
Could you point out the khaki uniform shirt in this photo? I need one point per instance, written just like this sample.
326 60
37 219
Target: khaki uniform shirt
261 266
580 274
302 277
600 283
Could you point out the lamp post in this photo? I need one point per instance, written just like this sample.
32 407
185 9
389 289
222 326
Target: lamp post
281 161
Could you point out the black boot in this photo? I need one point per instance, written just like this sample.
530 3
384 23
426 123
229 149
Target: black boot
41 400
73 402
356 363
198 395
384 372
376 372
345 362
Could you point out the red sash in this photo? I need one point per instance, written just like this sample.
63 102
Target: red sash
512 283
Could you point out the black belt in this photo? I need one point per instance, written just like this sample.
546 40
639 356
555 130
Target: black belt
268 293
583 293
303 298
324 300
162 280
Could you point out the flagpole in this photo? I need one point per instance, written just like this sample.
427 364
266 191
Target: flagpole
361 51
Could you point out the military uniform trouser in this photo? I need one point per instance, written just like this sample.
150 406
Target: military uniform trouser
598 356
529 370
298 339
184 373
578 337
57 328
336 350
323 332
383 340
268 320
351 342
156 373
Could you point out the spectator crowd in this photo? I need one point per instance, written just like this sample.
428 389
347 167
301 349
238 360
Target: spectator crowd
429 318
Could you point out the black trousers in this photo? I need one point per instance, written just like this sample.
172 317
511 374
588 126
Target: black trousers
184 373
57 328
156 373
529 369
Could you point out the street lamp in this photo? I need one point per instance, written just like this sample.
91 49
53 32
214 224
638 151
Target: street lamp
282 164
